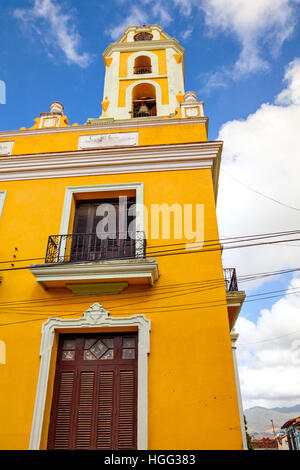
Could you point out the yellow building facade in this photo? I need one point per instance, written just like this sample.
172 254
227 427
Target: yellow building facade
117 323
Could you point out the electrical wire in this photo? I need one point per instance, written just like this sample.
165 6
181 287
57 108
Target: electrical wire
224 241
258 192
153 292
180 252
167 308
269 339
167 288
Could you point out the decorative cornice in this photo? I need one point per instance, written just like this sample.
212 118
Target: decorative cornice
119 160
104 125
235 298
143 45
101 270
145 76
234 337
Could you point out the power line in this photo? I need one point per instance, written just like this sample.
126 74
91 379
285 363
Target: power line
221 248
270 339
224 241
217 283
167 308
258 192
186 292
154 292
180 252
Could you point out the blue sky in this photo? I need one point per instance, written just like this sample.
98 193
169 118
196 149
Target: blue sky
242 58
37 70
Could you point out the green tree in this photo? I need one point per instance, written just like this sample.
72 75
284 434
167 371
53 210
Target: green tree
248 436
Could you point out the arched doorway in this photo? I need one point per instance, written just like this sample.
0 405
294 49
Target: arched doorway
143 100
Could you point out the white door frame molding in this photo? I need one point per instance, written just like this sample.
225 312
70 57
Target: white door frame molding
95 317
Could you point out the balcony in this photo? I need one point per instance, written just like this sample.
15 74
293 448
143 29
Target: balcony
234 296
89 247
139 69
87 264
230 278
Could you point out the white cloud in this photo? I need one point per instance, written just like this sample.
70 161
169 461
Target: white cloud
136 17
185 6
55 29
161 14
291 94
254 24
187 33
153 12
269 354
262 152
260 27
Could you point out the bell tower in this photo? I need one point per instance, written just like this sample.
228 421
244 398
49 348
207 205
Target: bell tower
144 75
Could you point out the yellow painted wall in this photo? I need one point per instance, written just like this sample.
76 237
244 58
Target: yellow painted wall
191 375
162 62
68 141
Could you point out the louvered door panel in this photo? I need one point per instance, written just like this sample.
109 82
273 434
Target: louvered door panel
105 412
84 425
63 428
126 422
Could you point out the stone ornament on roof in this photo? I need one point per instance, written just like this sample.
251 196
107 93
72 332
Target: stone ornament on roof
190 97
54 118
56 107
190 107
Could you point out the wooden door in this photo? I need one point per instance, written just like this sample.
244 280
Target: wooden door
94 402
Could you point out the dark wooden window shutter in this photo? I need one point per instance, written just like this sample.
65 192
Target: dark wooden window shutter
86 244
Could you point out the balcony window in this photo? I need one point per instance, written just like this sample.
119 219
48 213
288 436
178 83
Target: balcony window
79 260
103 229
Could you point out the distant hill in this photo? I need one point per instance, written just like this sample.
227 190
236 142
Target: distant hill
259 419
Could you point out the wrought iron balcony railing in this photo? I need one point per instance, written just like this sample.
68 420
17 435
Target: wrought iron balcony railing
230 280
143 69
89 247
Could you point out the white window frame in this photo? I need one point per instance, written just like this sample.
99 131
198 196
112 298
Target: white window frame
95 318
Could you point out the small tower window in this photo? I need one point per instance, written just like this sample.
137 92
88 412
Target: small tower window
144 100
142 64
143 36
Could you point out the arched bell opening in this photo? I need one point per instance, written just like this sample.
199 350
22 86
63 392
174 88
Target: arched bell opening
144 100
142 64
